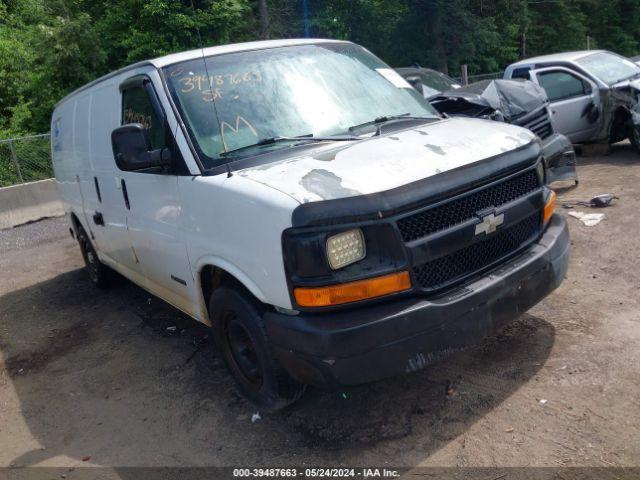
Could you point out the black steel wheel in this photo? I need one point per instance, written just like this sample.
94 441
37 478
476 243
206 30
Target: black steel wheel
243 343
243 350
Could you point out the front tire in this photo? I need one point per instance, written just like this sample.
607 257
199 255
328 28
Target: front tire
240 334
99 273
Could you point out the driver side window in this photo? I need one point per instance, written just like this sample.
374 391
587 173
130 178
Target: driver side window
562 85
137 108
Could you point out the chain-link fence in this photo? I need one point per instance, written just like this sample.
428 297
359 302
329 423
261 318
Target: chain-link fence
25 159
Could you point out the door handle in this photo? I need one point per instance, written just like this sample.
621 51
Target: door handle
125 194
98 219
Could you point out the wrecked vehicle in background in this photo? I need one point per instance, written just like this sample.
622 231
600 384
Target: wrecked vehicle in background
521 103
303 200
593 94
427 81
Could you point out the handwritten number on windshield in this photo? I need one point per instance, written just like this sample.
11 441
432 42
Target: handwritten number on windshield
199 82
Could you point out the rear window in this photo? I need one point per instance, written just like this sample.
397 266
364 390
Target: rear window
522 72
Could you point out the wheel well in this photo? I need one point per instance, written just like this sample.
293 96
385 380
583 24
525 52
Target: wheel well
618 129
77 226
75 221
212 277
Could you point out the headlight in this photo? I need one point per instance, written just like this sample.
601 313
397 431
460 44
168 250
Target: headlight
345 248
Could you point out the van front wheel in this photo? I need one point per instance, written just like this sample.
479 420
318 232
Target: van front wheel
241 338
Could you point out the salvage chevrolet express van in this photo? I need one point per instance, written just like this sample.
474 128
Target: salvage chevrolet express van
304 201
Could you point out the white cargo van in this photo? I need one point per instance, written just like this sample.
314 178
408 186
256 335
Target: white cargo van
303 200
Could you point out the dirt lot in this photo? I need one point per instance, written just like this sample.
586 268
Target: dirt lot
88 373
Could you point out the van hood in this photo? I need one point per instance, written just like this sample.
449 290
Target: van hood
385 162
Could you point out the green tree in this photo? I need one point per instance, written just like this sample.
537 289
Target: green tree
50 47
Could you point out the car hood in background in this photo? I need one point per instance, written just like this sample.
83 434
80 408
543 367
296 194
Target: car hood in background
384 162
513 98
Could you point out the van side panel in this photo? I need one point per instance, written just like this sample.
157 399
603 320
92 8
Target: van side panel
64 159
101 175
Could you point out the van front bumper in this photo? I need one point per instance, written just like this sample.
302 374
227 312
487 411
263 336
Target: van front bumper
369 343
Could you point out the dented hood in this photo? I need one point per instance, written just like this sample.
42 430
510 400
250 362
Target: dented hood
512 98
386 162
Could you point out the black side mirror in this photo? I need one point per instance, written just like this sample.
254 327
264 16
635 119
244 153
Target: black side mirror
132 149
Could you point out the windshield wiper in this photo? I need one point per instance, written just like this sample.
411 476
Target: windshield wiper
306 138
379 121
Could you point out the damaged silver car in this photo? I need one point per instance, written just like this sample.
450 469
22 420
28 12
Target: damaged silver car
593 94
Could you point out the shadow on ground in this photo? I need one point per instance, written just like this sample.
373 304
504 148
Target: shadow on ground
105 375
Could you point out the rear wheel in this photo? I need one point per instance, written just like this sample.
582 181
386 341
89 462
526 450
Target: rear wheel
242 340
100 274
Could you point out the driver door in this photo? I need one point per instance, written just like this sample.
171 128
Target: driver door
154 209
574 102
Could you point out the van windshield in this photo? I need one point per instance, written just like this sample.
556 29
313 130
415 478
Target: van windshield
235 100
608 67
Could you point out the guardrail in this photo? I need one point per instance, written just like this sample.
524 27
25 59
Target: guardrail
25 159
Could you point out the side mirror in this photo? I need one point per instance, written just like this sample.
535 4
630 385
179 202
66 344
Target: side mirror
132 149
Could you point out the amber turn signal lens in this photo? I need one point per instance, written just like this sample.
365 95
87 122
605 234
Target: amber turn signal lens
549 206
352 291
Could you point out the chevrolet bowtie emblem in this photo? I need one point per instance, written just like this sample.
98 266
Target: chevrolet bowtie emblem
489 223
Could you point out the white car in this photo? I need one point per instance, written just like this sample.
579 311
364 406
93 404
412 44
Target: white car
303 200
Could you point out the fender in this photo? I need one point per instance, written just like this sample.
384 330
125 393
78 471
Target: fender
232 270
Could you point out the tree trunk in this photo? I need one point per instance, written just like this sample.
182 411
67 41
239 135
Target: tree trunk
263 14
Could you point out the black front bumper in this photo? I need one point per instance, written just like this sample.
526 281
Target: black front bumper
377 341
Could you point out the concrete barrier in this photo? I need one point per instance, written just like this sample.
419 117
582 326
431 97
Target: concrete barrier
28 202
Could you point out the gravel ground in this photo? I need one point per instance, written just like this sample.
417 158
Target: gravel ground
86 373
31 235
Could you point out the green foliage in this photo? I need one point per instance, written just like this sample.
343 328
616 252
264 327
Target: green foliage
50 47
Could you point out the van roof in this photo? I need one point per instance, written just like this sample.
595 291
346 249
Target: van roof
556 57
207 52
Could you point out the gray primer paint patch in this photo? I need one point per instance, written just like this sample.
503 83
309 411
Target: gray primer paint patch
435 149
326 185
